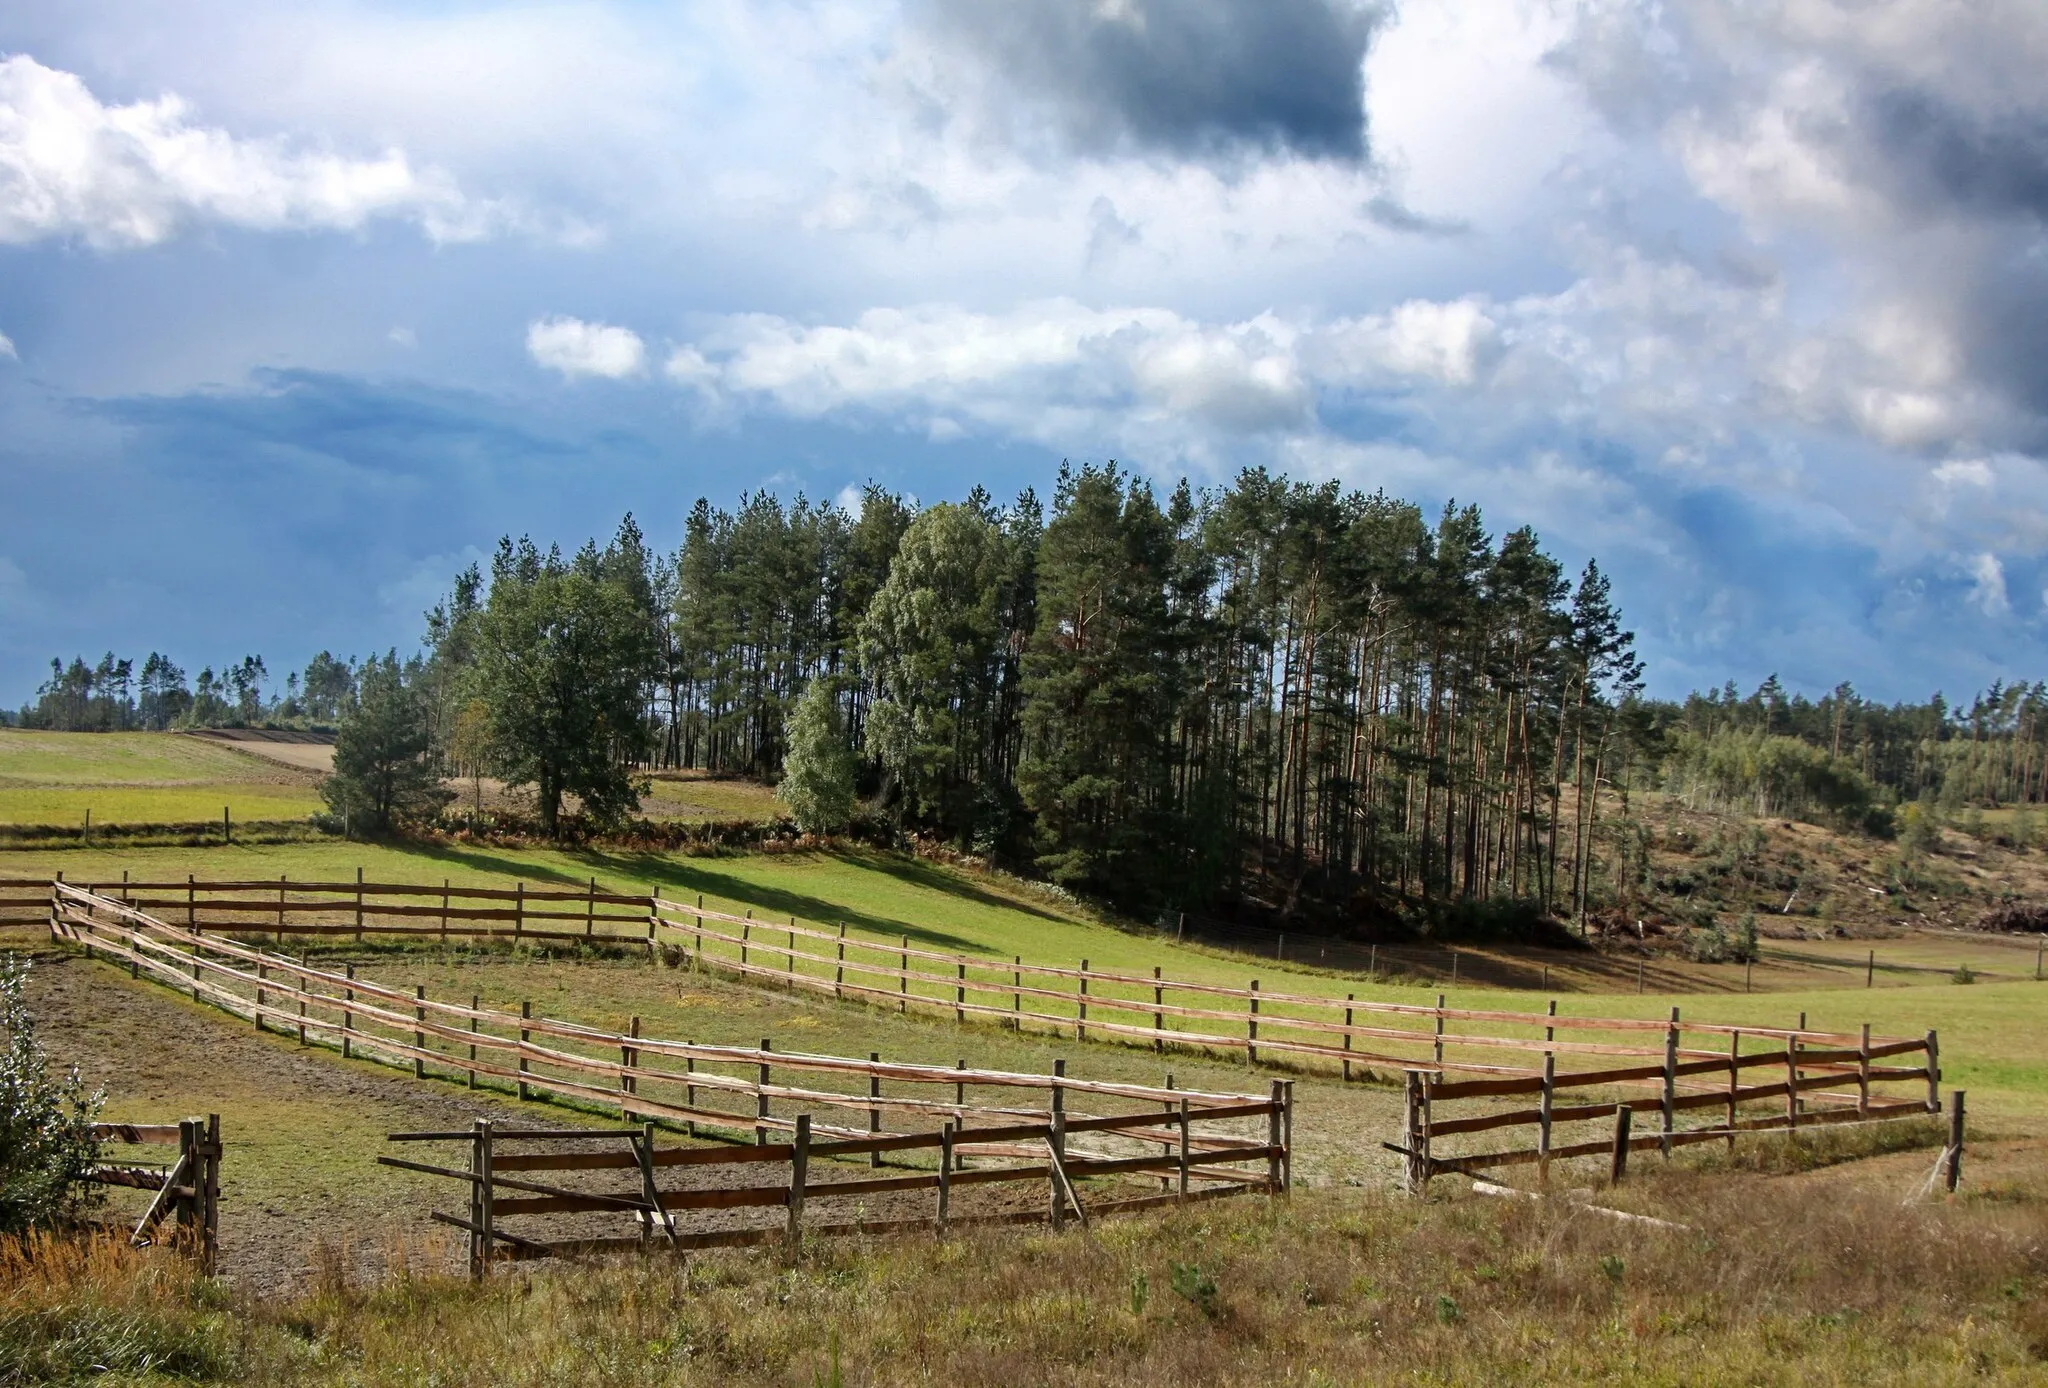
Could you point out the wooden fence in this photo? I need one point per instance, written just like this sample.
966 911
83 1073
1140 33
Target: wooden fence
1190 1166
187 1190
1809 1080
1350 1036
725 1091
365 910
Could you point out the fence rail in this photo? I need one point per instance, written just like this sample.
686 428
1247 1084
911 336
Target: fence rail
739 1093
188 1189
1803 1089
1347 1035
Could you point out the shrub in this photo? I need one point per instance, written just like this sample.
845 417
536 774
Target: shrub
47 1145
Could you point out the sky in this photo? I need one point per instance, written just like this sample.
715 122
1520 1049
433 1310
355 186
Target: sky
302 307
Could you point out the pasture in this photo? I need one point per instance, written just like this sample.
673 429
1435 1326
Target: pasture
143 778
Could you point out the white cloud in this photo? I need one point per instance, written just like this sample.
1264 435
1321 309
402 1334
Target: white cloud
133 175
404 337
576 348
1964 472
7 348
1987 585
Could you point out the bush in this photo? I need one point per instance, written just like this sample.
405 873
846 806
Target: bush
47 1145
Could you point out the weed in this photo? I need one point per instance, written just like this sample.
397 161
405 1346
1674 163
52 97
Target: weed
1141 1291
1196 1287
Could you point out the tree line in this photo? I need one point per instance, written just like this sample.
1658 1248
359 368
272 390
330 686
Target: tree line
1271 696
112 696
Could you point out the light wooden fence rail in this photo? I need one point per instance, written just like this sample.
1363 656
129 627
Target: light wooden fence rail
1347 1035
734 1092
364 909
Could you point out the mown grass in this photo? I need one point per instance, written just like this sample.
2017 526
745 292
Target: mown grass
1994 1035
141 778
77 759
1766 1285
245 803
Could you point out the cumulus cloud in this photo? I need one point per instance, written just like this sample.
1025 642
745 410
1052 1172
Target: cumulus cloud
132 175
576 348
1187 78
7 348
1053 371
1897 148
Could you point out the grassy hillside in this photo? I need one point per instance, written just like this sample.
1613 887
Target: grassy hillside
142 778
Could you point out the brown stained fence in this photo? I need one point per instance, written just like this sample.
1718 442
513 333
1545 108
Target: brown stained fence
366 909
1014 1127
1757 1080
1349 1036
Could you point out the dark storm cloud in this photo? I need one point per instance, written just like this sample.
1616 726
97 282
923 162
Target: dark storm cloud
1997 166
1191 78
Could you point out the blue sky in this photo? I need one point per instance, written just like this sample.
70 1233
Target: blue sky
301 307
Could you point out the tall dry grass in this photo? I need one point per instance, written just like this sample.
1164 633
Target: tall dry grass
1773 1282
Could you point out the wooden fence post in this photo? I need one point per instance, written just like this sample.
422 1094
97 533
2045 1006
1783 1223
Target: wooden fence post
419 1036
1411 1131
487 1211
280 912
1251 1044
1017 993
1543 1117
186 1207
300 988
257 1012
590 911
1792 1082
629 1057
746 935
1274 1096
1081 1023
699 955
1428 1106
1933 1074
525 1035
874 1109
1863 1074
479 1173
839 968
1670 1082
1618 1167
789 955
476 1002
1158 1013
1183 1187
945 1174
1734 1081
690 1089
191 903
1952 1164
799 1167
348 1016
1439 1029
960 994
761 1099
518 911
1349 999
903 979
1056 1145
444 913
359 905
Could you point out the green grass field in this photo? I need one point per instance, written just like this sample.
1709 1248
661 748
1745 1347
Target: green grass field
142 778
1994 1035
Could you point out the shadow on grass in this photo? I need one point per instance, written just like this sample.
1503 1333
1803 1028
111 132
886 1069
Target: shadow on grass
918 873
